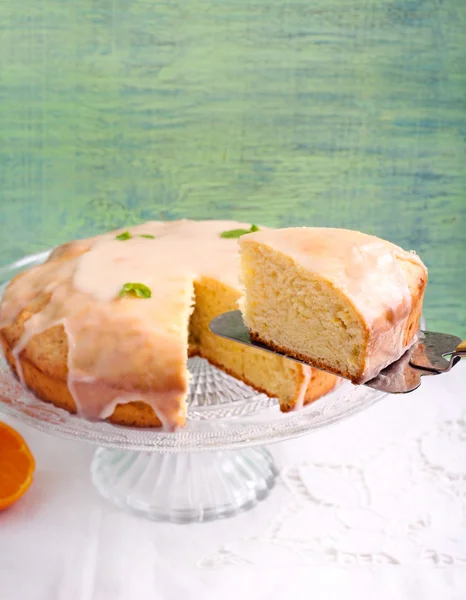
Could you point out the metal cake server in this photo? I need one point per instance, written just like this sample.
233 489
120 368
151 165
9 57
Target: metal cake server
426 357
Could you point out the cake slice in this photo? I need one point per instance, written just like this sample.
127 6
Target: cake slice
343 301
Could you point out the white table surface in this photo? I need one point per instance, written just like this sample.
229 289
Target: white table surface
374 506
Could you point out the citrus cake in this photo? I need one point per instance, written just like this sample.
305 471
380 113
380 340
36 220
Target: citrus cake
104 327
341 300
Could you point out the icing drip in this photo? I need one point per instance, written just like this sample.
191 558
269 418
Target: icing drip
307 372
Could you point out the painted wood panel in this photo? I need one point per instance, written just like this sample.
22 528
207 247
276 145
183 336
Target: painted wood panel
282 112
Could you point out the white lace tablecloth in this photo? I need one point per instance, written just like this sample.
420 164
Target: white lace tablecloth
373 506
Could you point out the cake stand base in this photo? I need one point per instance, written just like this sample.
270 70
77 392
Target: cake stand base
186 487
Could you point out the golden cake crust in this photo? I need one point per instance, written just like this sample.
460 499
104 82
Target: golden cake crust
47 378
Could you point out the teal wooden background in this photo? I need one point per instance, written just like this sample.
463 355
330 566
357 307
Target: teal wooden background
326 112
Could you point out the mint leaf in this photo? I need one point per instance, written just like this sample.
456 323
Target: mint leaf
138 289
127 236
236 233
124 236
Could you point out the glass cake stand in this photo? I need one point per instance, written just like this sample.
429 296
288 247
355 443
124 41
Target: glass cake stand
215 467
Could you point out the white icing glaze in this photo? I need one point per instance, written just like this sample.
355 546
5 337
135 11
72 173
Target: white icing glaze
366 269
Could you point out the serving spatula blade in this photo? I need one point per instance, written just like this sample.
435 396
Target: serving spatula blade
424 358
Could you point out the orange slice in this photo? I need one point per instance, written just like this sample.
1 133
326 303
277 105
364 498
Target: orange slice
16 466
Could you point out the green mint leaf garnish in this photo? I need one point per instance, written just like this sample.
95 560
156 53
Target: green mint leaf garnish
138 289
124 236
236 233
127 236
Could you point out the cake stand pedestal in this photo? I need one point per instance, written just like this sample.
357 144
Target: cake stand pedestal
184 488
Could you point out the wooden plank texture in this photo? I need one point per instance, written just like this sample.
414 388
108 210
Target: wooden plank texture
344 113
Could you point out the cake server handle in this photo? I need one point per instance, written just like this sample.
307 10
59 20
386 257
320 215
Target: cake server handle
460 350
438 352
457 355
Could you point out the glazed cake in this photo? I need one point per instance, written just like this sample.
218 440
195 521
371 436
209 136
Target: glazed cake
104 327
340 300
